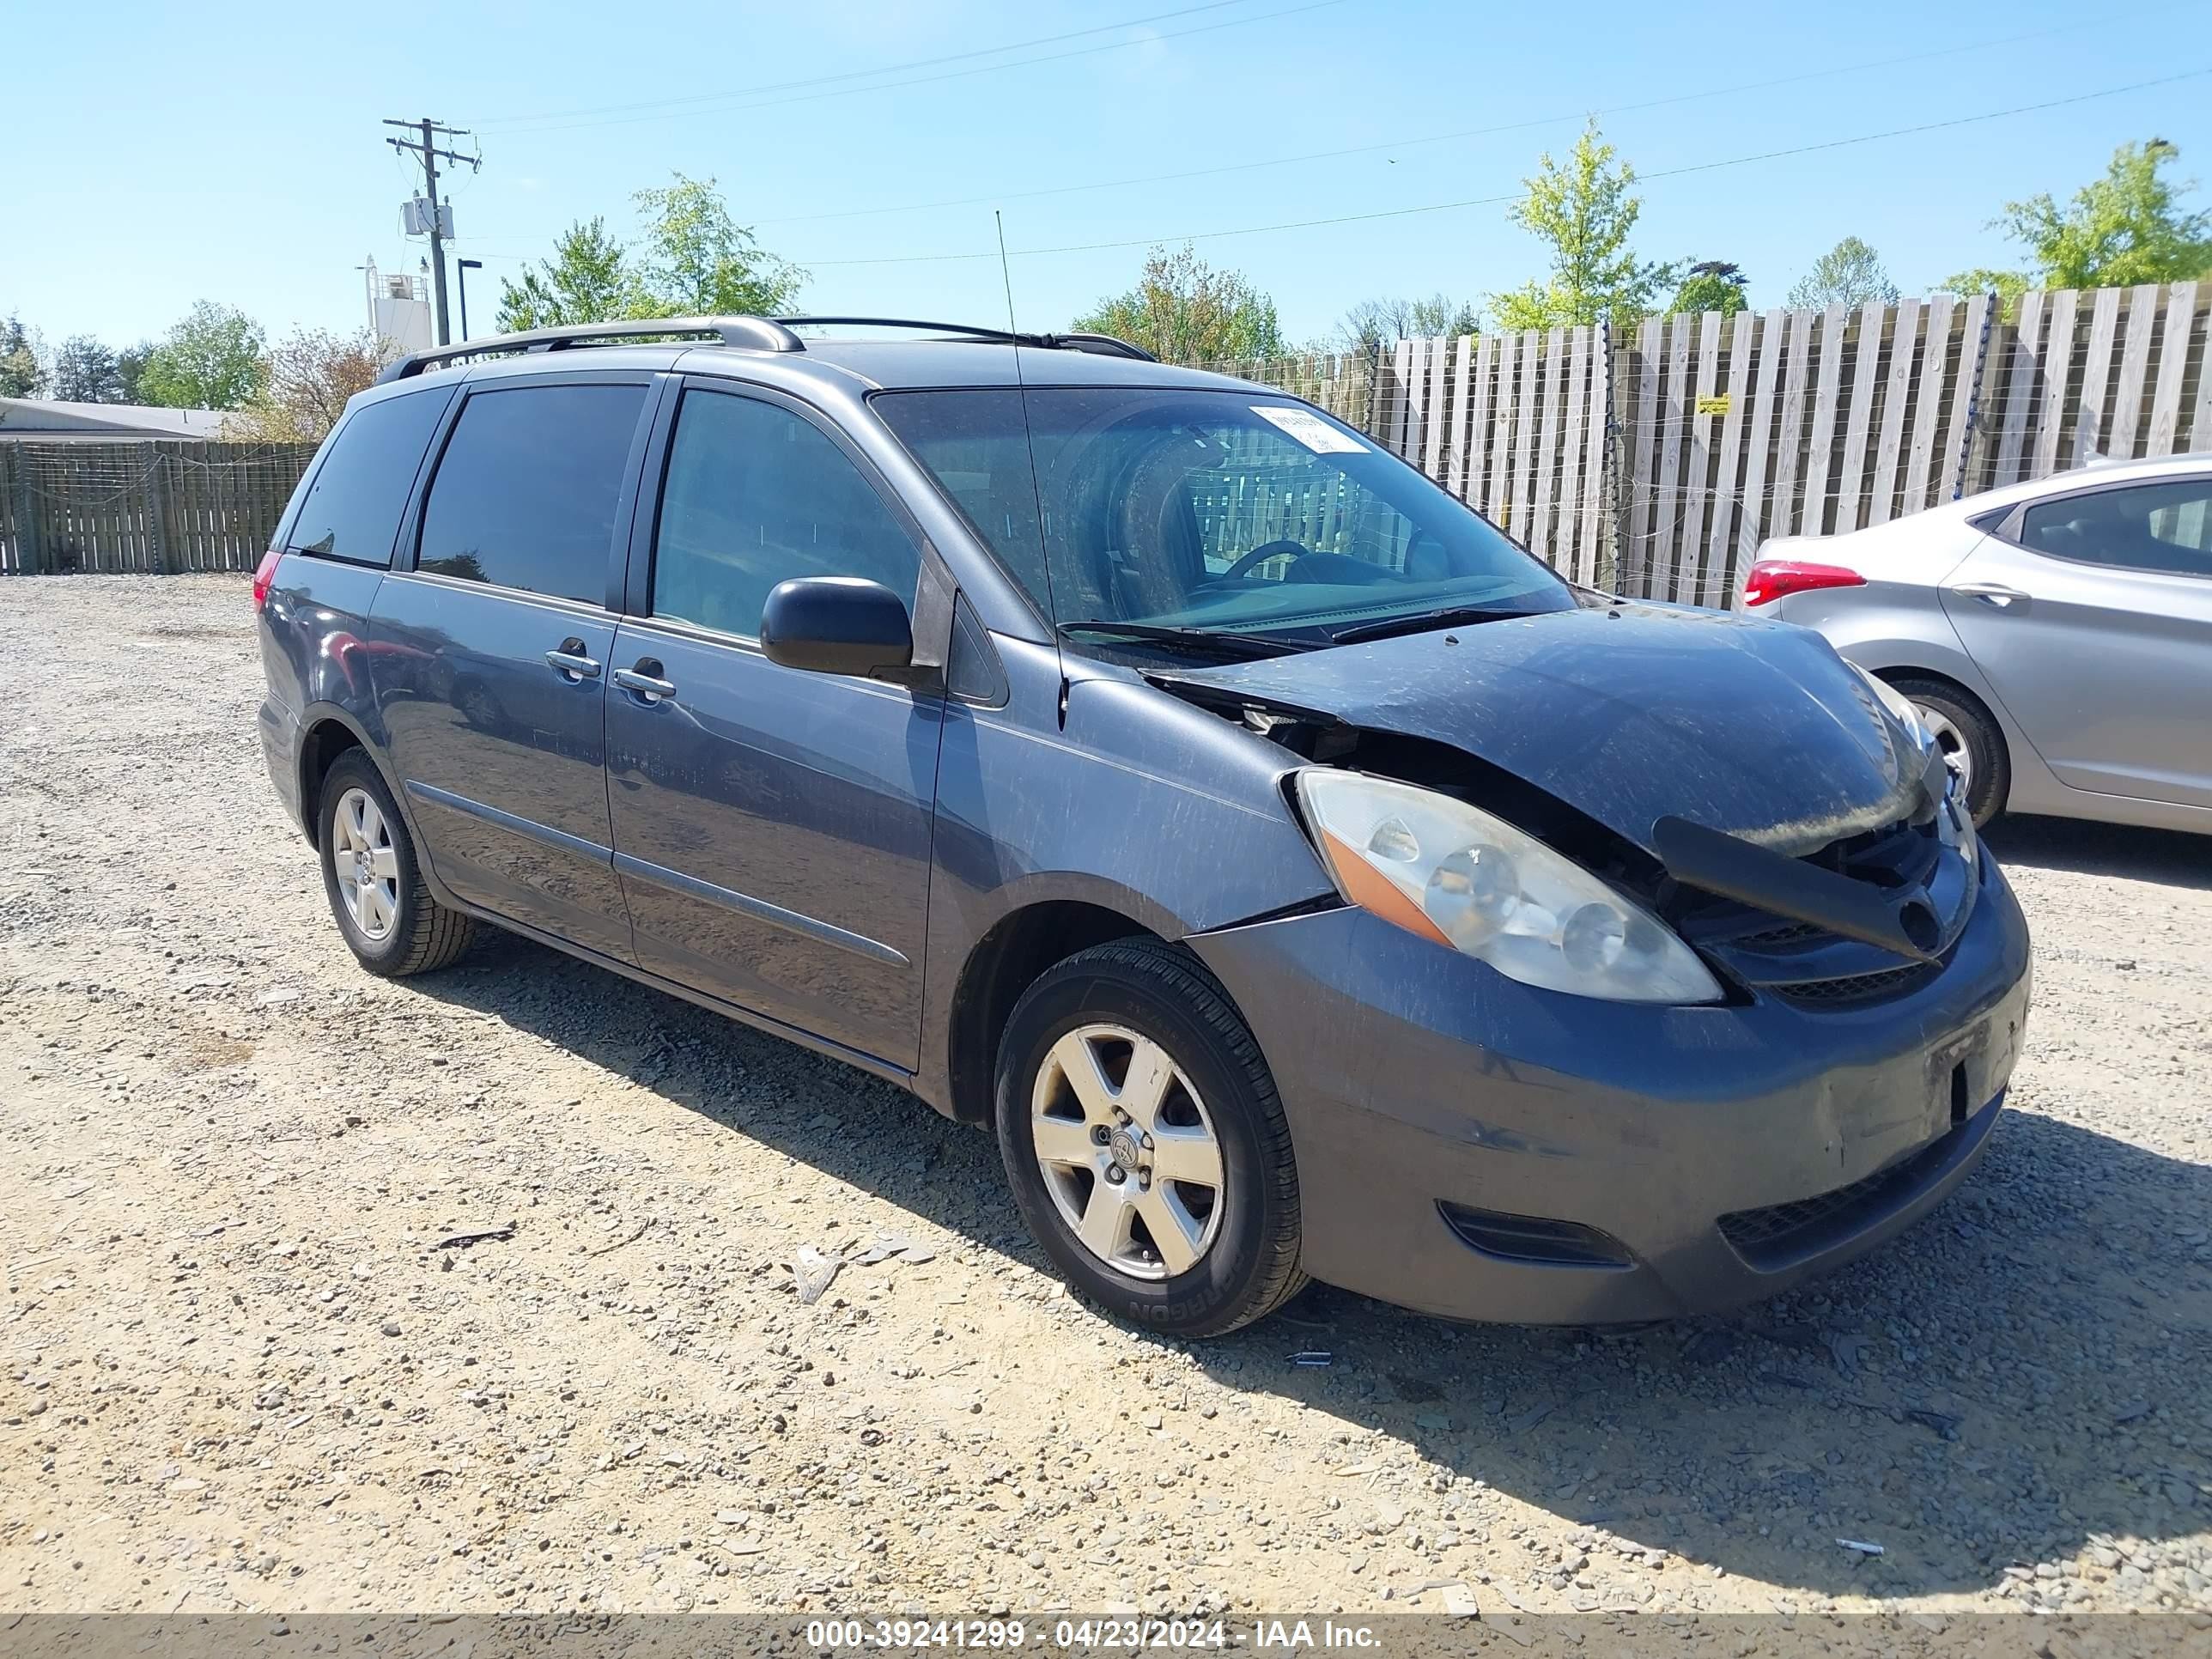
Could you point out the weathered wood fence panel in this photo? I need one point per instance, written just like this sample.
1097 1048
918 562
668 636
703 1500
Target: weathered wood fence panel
1657 463
152 507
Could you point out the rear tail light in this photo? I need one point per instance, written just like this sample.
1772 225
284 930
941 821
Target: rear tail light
264 577
1777 579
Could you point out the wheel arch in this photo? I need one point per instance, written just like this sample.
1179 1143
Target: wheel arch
1010 957
328 731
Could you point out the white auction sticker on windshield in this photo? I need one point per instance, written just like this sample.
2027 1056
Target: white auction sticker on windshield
1309 429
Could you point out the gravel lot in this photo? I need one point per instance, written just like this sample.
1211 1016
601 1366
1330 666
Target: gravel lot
240 1370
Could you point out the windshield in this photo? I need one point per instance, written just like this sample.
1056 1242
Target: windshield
1213 512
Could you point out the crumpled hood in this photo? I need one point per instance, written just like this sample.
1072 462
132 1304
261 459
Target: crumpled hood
1629 714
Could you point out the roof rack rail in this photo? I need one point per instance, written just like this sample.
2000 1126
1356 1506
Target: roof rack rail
754 333
1104 345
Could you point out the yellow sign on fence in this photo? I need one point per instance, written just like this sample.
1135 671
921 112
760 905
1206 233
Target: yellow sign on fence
1712 403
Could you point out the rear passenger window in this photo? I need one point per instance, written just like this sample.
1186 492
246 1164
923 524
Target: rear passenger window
2153 526
757 495
353 507
525 496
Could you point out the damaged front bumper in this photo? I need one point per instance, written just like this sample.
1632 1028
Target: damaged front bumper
1475 1148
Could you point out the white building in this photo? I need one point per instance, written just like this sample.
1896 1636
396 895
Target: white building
399 310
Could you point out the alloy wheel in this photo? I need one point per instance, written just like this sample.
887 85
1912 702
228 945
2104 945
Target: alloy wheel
366 865
1128 1152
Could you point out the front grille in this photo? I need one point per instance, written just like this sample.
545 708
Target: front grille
1790 932
1902 854
1807 965
1860 987
1783 1234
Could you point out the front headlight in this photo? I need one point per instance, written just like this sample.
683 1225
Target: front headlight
1454 874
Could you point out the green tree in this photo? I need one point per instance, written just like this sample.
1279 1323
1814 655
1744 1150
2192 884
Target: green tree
311 373
1711 285
210 360
130 370
1184 311
85 372
1849 274
1585 211
2009 285
1385 322
695 260
21 374
2124 228
586 281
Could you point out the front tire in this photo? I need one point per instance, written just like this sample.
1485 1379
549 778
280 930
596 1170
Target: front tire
1968 735
1145 1142
373 882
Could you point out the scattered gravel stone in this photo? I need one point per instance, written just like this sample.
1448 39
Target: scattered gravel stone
624 1406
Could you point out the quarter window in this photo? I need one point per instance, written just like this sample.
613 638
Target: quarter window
758 496
525 494
353 507
2156 526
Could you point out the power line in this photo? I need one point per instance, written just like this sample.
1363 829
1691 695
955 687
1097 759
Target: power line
1432 138
859 75
657 113
1513 196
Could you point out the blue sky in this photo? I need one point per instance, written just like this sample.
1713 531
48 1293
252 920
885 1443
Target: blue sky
233 152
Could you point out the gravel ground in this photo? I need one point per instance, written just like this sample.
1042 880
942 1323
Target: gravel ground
242 1370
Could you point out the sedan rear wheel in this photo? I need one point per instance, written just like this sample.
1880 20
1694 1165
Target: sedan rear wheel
1970 740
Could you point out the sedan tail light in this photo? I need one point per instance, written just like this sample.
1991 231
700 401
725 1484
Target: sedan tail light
1775 579
264 577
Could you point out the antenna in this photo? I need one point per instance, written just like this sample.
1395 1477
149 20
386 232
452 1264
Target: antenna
1006 275
1028 439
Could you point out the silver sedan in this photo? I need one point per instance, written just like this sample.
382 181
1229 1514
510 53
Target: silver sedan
2055 637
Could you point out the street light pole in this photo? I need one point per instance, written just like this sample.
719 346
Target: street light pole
467 265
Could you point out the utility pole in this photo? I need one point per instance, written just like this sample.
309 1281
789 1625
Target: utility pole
426 146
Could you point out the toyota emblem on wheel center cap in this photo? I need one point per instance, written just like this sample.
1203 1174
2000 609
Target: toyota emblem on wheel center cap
1123 1146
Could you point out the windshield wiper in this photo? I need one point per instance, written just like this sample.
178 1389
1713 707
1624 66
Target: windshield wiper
1205 640
1421 622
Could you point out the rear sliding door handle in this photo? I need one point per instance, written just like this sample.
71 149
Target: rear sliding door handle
1990 593
571 664
647 686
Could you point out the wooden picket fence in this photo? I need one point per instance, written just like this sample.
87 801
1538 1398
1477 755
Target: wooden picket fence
1656 464
97 505
1653 465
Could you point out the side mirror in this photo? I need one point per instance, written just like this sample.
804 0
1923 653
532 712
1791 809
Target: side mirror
838 625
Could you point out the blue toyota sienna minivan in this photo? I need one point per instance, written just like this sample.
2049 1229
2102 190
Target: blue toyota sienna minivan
1296 877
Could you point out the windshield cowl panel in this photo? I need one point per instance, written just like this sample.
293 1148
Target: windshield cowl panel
1183 512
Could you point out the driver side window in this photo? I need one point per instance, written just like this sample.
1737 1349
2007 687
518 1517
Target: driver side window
758 496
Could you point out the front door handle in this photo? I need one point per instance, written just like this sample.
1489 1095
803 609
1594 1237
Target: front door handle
571 662
1992 593
644 681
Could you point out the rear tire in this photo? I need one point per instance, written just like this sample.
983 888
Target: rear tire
1961 724
373 880
1198 1235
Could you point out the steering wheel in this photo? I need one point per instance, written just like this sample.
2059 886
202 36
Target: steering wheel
1262 554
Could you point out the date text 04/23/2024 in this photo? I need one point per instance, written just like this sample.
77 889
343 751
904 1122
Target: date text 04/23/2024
1102 1635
